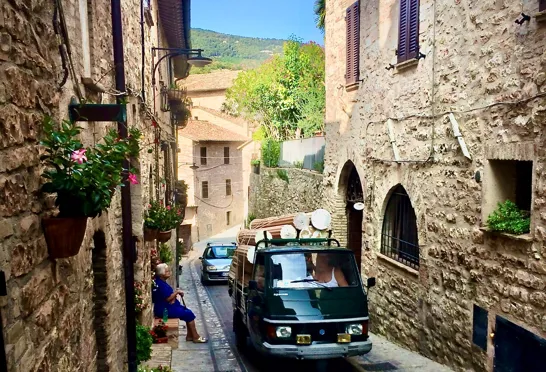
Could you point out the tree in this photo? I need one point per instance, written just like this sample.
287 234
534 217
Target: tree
285 94
320 13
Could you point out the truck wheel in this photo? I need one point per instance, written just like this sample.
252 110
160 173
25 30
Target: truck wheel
203 281
240 330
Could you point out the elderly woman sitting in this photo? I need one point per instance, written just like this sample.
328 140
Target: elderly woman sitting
164 297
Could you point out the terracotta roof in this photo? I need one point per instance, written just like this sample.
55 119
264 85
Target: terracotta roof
235 120
216 80
200 130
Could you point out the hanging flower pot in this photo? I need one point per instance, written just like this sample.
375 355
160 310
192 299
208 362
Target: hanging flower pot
150 234
164 236
64 236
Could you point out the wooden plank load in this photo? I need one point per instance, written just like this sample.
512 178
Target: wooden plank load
247 237
241 268
287 219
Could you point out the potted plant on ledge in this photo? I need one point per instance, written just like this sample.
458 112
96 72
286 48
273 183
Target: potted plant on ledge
153 220
171 220
84 180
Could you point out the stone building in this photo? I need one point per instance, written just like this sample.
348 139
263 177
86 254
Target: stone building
69 314
220 147
435 112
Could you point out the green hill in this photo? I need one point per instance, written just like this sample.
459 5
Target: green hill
232 52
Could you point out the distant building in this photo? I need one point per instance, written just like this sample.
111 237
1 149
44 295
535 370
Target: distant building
220 146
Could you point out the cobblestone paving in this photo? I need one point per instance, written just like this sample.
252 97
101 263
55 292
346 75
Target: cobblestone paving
161 356
216 355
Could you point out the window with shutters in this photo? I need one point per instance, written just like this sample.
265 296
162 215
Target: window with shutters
353 44
408 30
226 155
228 187
228 218
541 5
203 156
205 189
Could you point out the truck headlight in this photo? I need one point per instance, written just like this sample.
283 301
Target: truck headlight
211 268
354 329
283 332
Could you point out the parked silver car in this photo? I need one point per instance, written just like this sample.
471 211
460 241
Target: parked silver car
216 261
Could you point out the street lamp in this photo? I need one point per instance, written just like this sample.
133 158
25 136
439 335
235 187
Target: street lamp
193 166
195 57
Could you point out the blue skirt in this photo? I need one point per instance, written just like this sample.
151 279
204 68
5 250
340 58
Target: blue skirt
176 310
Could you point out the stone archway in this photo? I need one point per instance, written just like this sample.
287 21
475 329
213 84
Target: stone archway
352 193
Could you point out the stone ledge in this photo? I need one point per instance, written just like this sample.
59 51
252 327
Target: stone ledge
402 66
399 265
523 238
541 16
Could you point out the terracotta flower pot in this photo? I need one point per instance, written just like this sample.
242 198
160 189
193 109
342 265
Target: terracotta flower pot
164 236
64 236
161 340
150 234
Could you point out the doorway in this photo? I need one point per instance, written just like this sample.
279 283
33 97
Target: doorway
354 198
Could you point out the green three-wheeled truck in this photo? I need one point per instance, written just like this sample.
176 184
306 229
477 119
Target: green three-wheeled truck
299 298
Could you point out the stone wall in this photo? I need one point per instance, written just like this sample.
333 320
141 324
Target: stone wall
58 311
272 196
473 74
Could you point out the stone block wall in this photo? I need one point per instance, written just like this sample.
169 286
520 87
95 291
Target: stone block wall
67 314
476 75
272 196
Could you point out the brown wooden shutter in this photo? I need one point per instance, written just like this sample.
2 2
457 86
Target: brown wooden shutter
353 44
408 34
541 5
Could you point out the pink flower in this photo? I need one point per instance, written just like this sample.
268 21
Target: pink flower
168 207
133 179
78 156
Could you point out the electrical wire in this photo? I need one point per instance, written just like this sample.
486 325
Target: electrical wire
212 205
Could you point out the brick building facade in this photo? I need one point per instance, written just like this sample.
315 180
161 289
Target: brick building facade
395 71
69 314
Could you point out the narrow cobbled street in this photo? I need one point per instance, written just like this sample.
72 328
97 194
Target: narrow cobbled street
213 308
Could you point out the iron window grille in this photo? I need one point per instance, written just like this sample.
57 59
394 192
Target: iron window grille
399 233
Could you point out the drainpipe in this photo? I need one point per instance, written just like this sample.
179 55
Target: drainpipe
128 242
3 360
143 52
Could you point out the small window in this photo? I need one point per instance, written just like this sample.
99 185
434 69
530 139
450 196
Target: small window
508 180
228 218
408 30
203 156
399 232
228 187
226 155
353 44
205 189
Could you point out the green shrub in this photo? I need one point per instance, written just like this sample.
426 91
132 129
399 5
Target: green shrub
509 218
143 343
255 162
271 150
298 164
249 218
283 175
165 254
319 166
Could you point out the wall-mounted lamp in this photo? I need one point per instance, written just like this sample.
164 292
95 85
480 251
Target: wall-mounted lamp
195 57
525 18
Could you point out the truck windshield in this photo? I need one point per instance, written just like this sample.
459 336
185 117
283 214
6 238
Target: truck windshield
313 270
220 252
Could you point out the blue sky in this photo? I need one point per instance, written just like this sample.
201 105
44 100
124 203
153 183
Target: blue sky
276 19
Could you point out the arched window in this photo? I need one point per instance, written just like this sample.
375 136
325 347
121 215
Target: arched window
399 232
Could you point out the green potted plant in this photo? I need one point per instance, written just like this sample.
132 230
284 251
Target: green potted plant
165 254
508 218
159 333
144 342
153 220
83 179
255 166
171 220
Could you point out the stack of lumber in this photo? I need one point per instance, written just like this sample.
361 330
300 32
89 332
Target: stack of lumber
241 268
247 237
261 223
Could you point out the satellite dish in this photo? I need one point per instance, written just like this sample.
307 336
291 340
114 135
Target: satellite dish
358 206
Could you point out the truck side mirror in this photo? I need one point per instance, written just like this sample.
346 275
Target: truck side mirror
200 258
252 285
371 282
